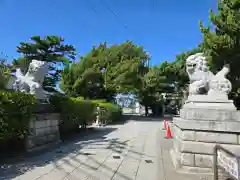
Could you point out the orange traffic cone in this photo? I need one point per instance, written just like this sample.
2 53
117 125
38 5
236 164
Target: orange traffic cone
165 125
169 134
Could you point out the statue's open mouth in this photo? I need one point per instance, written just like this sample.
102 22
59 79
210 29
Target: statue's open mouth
191 66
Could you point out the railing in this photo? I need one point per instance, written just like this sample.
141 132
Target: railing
227 161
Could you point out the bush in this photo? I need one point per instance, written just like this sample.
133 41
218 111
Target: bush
15 114
74 112
77 112
109 112
96 101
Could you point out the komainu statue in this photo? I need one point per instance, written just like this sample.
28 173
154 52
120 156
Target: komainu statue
203 81
32 81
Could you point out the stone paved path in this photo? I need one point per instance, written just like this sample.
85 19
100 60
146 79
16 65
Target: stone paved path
116 152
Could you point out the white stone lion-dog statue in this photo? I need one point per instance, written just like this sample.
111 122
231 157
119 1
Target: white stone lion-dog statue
32 81
202 80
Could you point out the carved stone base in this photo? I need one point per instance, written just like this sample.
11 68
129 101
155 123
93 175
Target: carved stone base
200 127
216 98
177 162
194 148
209 111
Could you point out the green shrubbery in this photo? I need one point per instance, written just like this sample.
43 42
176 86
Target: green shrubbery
16 110
74 112
77 112
109 112
15 114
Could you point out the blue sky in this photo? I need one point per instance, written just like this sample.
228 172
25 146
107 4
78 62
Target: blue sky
164 27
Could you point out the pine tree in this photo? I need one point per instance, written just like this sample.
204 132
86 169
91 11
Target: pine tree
222 45
50 49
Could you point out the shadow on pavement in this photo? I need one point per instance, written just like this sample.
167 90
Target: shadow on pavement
68 151
122 121
17 166
67 154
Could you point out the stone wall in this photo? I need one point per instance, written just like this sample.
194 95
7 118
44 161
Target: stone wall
195 148
44 131
198 129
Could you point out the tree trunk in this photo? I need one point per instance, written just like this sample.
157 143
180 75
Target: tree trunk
146 110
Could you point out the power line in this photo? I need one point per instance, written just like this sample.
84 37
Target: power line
153 4
114 14
91 7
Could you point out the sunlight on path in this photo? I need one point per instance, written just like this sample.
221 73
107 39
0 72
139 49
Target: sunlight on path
128 152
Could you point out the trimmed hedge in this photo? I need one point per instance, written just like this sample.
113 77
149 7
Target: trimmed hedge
16 110
77 112
74 112
15 114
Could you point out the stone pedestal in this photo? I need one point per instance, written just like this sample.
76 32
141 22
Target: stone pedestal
44 126
202 124
137 107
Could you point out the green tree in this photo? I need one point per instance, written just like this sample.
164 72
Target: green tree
90 85
50 49
118 68
4 70
222 45
175 73
150 95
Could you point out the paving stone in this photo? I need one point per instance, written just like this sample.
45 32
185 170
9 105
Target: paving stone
133 155
67 167
100 176
108 168
123 176
56 174
36 172
128 168
78 174
133 148
147 171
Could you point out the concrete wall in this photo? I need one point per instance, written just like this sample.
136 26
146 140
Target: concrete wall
44 131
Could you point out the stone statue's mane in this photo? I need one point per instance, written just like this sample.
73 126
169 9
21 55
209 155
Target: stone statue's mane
199 61
203 81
